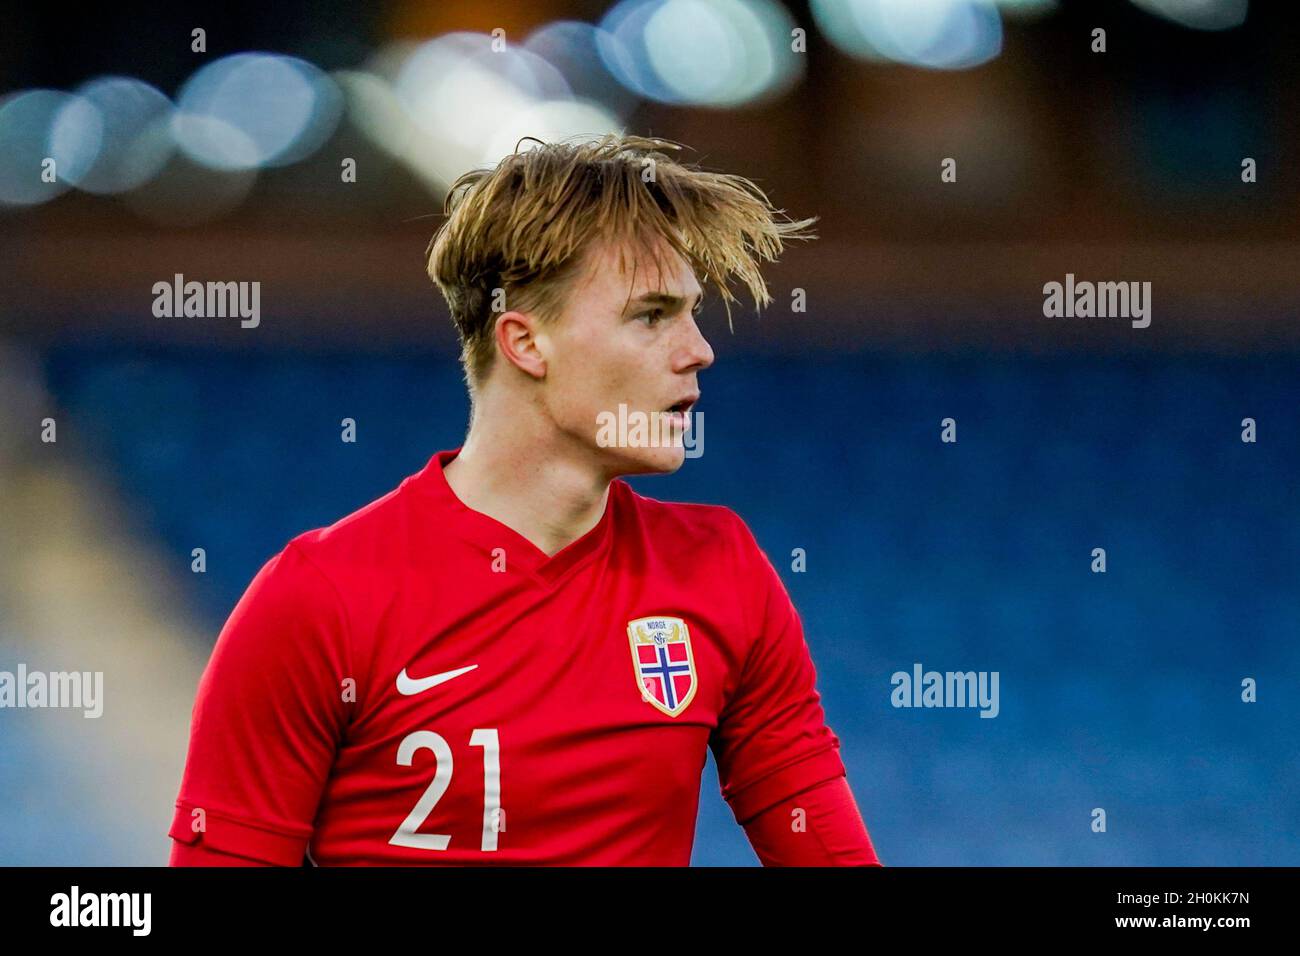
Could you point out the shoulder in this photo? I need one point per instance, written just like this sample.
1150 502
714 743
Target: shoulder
699 526
364 544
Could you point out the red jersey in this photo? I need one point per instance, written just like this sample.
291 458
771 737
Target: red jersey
420 684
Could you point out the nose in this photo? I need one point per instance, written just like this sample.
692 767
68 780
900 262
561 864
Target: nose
694 352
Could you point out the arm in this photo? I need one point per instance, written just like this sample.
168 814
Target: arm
775 753
200 855
819 827
267 721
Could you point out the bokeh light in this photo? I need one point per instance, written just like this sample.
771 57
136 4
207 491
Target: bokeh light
1199 14
721 53
26 122
572 47
118 127
457 102
253 110
938 34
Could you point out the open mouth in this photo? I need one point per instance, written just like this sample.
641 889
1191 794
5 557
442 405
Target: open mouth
683 407
678 414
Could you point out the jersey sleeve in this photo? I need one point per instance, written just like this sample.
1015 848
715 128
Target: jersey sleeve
267 720
820 827
772 740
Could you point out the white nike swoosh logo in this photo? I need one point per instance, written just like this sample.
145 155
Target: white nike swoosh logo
408 686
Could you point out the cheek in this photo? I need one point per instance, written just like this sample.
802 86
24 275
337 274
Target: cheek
599 369
581 377
598 385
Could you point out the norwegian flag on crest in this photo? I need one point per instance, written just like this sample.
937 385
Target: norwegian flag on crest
662 662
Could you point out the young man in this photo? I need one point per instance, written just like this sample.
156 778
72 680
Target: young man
513 658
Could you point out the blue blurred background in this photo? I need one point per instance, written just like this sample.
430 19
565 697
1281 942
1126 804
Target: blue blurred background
1119 690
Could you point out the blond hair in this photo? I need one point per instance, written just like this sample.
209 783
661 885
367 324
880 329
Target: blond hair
521 229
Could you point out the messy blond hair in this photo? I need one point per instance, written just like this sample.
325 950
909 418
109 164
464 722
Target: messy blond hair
524 226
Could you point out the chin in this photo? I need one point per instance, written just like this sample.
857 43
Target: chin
648 461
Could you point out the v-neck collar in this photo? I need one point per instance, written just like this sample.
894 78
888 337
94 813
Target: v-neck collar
488 533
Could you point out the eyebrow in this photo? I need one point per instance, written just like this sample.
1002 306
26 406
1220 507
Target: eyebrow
669 302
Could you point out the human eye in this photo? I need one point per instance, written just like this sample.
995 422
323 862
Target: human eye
651 316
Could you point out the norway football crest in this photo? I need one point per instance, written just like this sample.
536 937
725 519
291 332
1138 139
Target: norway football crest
662 662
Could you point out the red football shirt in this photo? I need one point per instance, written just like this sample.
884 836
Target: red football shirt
420 684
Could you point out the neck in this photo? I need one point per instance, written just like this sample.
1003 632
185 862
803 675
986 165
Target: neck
531 479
